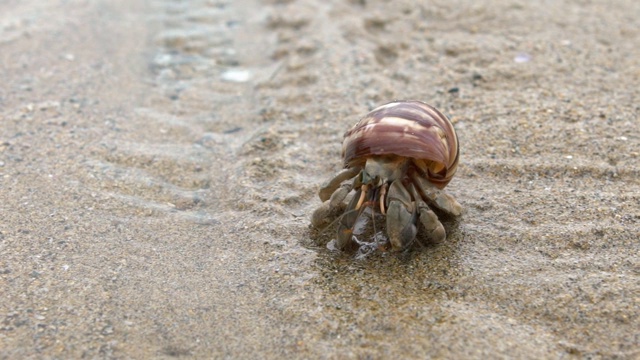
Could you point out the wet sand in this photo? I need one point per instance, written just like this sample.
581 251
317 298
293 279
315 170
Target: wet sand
159 162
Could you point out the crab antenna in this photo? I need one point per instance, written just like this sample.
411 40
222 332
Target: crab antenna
383 192
363 194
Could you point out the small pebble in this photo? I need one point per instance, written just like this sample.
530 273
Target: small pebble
522 58
236 75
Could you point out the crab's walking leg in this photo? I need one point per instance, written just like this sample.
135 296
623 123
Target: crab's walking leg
435 196
329 187
347 221
332 193
433 226
401 216
323 211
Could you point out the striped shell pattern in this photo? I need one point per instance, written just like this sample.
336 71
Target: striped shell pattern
410 129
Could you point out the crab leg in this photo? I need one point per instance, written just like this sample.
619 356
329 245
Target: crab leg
433 226
329 187
401 216
321 214
363 194
347 221
429 219
332 193
436 197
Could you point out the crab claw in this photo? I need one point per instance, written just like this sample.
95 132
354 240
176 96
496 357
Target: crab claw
401 216
347 221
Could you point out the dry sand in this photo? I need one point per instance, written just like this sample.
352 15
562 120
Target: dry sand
159 161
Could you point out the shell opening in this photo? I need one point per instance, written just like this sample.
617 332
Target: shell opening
436 167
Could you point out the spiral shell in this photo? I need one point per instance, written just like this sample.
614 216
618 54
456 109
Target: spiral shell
410 129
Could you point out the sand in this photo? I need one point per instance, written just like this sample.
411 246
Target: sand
159 162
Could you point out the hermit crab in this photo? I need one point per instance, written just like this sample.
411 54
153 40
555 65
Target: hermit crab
397 160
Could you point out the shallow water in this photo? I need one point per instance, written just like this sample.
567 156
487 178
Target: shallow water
160 161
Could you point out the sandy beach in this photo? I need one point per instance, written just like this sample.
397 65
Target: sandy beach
160 161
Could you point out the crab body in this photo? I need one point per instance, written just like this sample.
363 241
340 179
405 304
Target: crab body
397 160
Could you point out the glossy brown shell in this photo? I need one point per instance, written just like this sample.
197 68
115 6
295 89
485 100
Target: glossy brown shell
410 129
